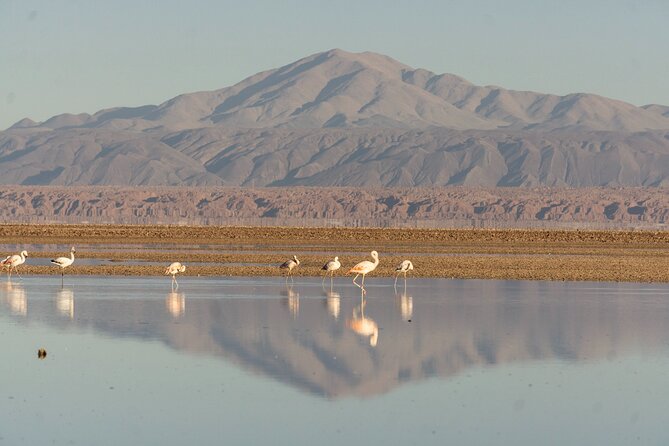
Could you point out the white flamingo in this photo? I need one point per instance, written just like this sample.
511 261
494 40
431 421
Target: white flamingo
64 262
331 267
173 269
13 261
365 267
290 265
403 268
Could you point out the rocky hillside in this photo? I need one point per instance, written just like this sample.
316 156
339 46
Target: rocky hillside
344 119
308 206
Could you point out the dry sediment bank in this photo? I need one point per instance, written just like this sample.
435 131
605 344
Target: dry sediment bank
631 256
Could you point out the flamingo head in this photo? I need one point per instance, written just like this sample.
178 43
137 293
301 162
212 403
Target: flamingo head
296 261
182 269
375 254
72 250
336 259
374 339
24 253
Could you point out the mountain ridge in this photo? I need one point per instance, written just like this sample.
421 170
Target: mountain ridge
328 81
348 119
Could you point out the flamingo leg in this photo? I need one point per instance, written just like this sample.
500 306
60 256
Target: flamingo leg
363 284
355 283
396 276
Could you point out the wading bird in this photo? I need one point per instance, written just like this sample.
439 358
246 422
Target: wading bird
290 265
331 267
403 268
365 267
64 262
13 261
173 269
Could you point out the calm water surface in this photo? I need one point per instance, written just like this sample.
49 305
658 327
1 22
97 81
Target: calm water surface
253 361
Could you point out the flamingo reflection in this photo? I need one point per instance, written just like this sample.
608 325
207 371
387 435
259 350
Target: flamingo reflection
333 302
405 303
65 302
362 325
292 300
15 296
175 304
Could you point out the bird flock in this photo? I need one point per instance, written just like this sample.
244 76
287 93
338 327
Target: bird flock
360 269
12 262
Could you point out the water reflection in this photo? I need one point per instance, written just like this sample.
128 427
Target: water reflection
405 304
364 326
292 300
65 302
455 325
15 297
175 303
333 303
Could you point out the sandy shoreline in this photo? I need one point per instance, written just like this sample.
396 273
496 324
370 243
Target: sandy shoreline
630 256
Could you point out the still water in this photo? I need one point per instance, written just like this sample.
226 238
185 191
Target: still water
254 361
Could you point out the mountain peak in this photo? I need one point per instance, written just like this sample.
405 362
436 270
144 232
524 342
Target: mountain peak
338 88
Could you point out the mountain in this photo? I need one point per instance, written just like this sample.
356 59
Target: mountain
343 119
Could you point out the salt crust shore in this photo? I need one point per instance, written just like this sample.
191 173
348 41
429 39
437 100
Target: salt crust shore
626 256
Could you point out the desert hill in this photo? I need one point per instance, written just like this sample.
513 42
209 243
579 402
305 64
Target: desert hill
343 119
450 207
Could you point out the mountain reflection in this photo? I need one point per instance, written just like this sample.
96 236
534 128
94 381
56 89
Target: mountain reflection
385 339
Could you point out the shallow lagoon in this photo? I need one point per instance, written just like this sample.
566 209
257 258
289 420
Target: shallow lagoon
251 360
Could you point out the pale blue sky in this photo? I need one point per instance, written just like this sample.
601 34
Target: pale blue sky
83 55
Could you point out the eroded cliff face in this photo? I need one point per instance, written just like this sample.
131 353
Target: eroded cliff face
433 207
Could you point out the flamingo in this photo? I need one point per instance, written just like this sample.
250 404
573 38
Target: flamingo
331 267
403 268
13 261
290 265
173 269
64 262
364 267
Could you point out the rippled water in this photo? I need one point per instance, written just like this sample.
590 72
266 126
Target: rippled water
252 361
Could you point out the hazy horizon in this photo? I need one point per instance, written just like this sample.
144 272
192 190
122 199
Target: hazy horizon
79 57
